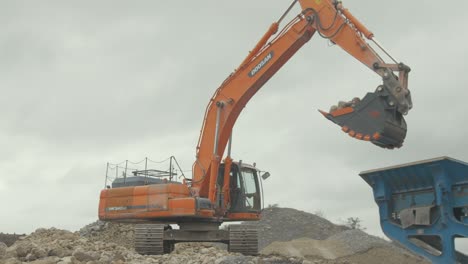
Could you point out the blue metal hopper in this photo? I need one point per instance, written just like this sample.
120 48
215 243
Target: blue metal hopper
424 205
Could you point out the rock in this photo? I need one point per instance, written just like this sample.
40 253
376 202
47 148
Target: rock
121 234
36 253
67 260
60 252
235 260
3 250
219 260
285 224
84 256
308 247
30 257
23 249
118 257
47 260
11 252
92 228
358 241
105 258
12 261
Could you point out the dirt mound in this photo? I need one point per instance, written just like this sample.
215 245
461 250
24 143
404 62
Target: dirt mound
368 250
387 256
358 241
285 224
47 246
308 248
292 233
121 234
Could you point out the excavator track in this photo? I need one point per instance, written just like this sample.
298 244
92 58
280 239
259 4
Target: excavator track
149 239
243 239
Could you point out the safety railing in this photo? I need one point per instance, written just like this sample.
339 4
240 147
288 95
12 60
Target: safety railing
168 169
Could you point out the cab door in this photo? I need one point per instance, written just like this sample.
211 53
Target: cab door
244 188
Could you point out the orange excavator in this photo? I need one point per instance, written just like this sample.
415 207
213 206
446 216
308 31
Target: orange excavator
223 190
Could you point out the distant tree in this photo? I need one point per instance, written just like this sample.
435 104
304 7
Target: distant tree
273 205
354 223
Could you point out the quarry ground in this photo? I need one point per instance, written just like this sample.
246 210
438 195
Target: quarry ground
288 236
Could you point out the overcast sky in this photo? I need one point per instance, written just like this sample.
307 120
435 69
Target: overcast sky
88 82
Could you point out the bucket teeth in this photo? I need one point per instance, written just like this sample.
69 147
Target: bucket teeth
359 136
376 136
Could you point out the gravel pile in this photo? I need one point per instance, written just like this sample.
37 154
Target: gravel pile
289 232
358 241
366 246
334 249
121 234
308 248
50 246
285 224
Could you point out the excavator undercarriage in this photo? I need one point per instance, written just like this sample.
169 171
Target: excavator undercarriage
157 239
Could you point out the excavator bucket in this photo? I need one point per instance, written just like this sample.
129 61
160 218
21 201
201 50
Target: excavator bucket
374 119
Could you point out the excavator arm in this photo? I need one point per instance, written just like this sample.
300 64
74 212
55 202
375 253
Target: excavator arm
378 117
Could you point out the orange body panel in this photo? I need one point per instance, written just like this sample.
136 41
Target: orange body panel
149 202
157 202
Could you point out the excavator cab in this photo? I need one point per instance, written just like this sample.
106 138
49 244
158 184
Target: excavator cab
244 186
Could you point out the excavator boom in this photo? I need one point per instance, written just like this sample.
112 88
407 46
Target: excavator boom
377 118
